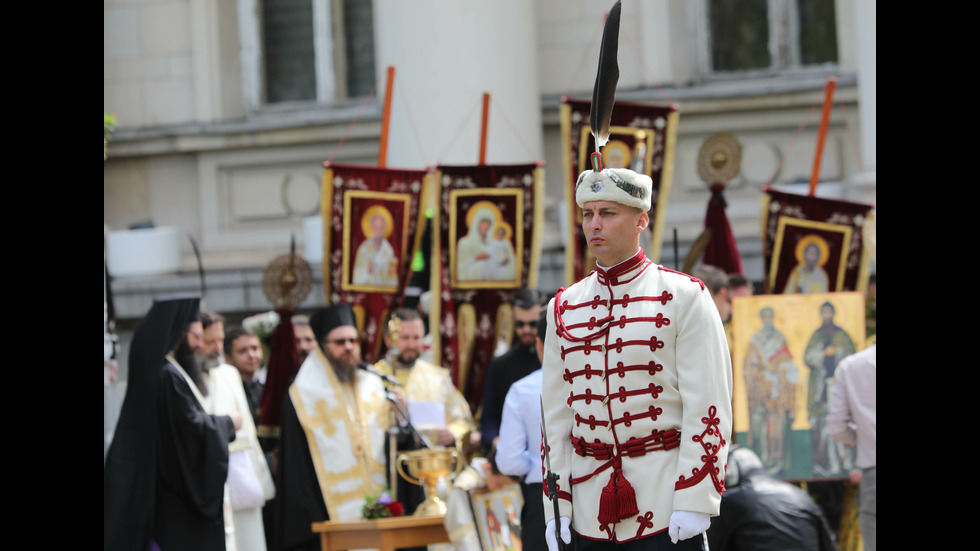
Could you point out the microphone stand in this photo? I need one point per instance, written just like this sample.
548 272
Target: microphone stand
393 430
392 451
394 426
404 415
392 381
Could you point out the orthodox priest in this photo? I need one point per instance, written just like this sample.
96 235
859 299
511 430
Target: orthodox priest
423 381
165 472
637 387
333 435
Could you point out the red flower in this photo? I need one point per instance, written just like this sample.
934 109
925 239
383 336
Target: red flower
396 508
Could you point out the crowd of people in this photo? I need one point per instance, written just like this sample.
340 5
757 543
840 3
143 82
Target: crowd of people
206 479
626 376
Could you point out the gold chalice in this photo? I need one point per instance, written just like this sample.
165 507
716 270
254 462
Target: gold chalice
426 467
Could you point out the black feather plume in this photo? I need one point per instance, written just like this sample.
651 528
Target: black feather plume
606 78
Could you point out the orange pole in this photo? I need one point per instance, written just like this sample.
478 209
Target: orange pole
483 128
828 102
386 118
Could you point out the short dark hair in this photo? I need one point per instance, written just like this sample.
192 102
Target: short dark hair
527 298
738 280
209 318
233 333
403 314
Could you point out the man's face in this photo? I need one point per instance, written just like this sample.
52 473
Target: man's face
195 336
246 355
343 348
526 324
743 291
213 342
409 342
612 230
305 341
723 303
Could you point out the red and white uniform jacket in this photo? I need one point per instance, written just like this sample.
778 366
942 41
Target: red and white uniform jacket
637 400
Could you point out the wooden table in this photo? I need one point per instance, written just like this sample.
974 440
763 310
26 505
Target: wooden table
386 534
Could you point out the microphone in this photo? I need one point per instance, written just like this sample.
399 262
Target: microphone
384 376
388 379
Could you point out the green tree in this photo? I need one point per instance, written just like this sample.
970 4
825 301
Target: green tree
108 126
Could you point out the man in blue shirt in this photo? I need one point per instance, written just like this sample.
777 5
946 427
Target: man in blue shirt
519 446
514 364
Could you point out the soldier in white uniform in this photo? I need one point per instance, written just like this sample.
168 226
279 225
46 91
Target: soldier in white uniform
637 387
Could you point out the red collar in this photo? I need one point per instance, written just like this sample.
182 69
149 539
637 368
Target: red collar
625 271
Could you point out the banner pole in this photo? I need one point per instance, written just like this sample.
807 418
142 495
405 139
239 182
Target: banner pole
828 102
386 118
483 128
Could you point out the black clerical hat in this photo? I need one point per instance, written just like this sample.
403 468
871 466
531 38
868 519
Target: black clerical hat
325 320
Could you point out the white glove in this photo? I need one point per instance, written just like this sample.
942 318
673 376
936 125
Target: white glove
687 524
549 533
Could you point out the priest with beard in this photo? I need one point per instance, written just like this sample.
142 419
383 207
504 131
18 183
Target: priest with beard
164 476
335 419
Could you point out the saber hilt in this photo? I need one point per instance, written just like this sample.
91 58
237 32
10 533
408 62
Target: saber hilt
551 479
553 496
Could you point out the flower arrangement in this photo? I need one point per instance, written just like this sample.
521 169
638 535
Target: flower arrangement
262 324
381 506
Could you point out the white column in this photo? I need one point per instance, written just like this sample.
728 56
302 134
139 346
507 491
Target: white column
665 41
446 54
866 25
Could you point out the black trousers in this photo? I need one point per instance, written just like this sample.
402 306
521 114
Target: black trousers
532 518
657 542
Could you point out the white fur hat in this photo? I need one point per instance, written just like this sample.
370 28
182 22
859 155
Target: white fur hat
618 185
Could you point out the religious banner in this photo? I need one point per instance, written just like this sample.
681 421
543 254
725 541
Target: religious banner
487 248
371 230
813 244
642 137
785 350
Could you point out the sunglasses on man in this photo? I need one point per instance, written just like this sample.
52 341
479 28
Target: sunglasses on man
520 324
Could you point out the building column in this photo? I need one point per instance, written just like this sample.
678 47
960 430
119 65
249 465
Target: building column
446 54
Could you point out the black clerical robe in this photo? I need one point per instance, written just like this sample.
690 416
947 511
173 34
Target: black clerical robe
192 466
165 470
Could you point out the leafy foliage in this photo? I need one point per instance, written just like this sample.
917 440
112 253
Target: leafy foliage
108 127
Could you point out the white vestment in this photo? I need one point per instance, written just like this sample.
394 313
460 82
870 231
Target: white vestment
227 395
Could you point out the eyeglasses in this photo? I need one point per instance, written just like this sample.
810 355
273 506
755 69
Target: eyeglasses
342 342
520 324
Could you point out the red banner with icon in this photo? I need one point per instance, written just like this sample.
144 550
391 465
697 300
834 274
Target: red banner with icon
814 244
488 248
372 225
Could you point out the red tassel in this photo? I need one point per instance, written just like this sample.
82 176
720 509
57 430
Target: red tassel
618 500
608 504
626 496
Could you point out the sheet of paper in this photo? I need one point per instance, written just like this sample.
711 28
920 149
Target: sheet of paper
427 414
